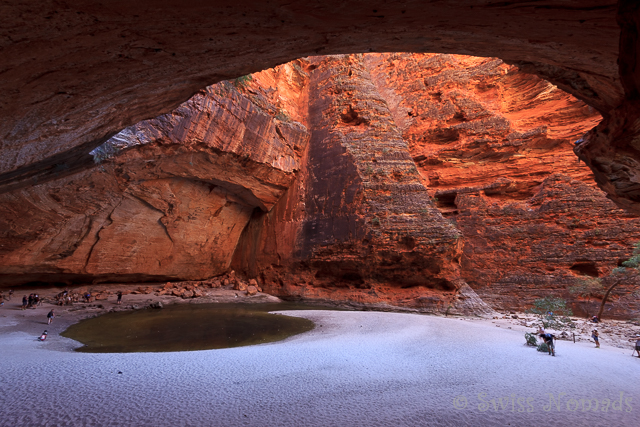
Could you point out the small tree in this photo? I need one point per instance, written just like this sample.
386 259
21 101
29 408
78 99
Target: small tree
629 272
587 287
553 312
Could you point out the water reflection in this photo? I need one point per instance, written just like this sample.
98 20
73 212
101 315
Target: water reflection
187 327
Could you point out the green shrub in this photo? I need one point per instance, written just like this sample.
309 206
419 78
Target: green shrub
543 347
242 81
552 312
531 339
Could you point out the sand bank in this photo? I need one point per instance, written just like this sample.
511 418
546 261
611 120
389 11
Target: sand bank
355 368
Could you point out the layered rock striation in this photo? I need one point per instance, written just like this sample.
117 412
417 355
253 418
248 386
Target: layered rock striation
165 199
494 146
427 181
360 224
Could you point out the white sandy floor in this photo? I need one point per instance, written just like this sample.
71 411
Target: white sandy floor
357 369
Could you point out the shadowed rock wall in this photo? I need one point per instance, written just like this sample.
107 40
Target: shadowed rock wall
372 179
167 198
75 73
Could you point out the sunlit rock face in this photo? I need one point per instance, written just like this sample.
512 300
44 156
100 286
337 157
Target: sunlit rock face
359 225
495 148
414 180
168 197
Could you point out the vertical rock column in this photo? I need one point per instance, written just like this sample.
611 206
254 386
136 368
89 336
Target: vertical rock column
369 217
365 229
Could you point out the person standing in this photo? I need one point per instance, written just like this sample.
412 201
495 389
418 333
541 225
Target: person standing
596 336
50 317
119 298
24 303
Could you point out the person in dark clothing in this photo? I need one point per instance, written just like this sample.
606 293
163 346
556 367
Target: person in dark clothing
637 346
548 340
50 317
119 298
25 301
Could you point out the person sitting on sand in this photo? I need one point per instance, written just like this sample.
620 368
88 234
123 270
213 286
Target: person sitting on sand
595 336
50 317
595 319
60 298
43 336
548 340
1 300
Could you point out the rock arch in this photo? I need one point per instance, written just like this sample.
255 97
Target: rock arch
74 74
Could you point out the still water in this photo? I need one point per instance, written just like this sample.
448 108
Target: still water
187 327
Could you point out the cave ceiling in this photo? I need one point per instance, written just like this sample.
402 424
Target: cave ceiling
75 73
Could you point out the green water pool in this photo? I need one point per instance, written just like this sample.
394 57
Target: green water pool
187 327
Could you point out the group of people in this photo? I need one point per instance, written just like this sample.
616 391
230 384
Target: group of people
63 298
550 338
32 301
67 298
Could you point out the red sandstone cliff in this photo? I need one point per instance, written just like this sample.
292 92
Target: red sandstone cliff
373 179
495 148
167 198
489 142
360 225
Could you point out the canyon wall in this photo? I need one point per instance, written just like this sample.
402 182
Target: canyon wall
495 148
426 181
164 199
360 224
75 73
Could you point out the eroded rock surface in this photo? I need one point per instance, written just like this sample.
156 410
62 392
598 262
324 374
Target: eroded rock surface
430 182
493 147
168 197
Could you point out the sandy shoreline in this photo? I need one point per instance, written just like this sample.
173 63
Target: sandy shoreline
355 368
